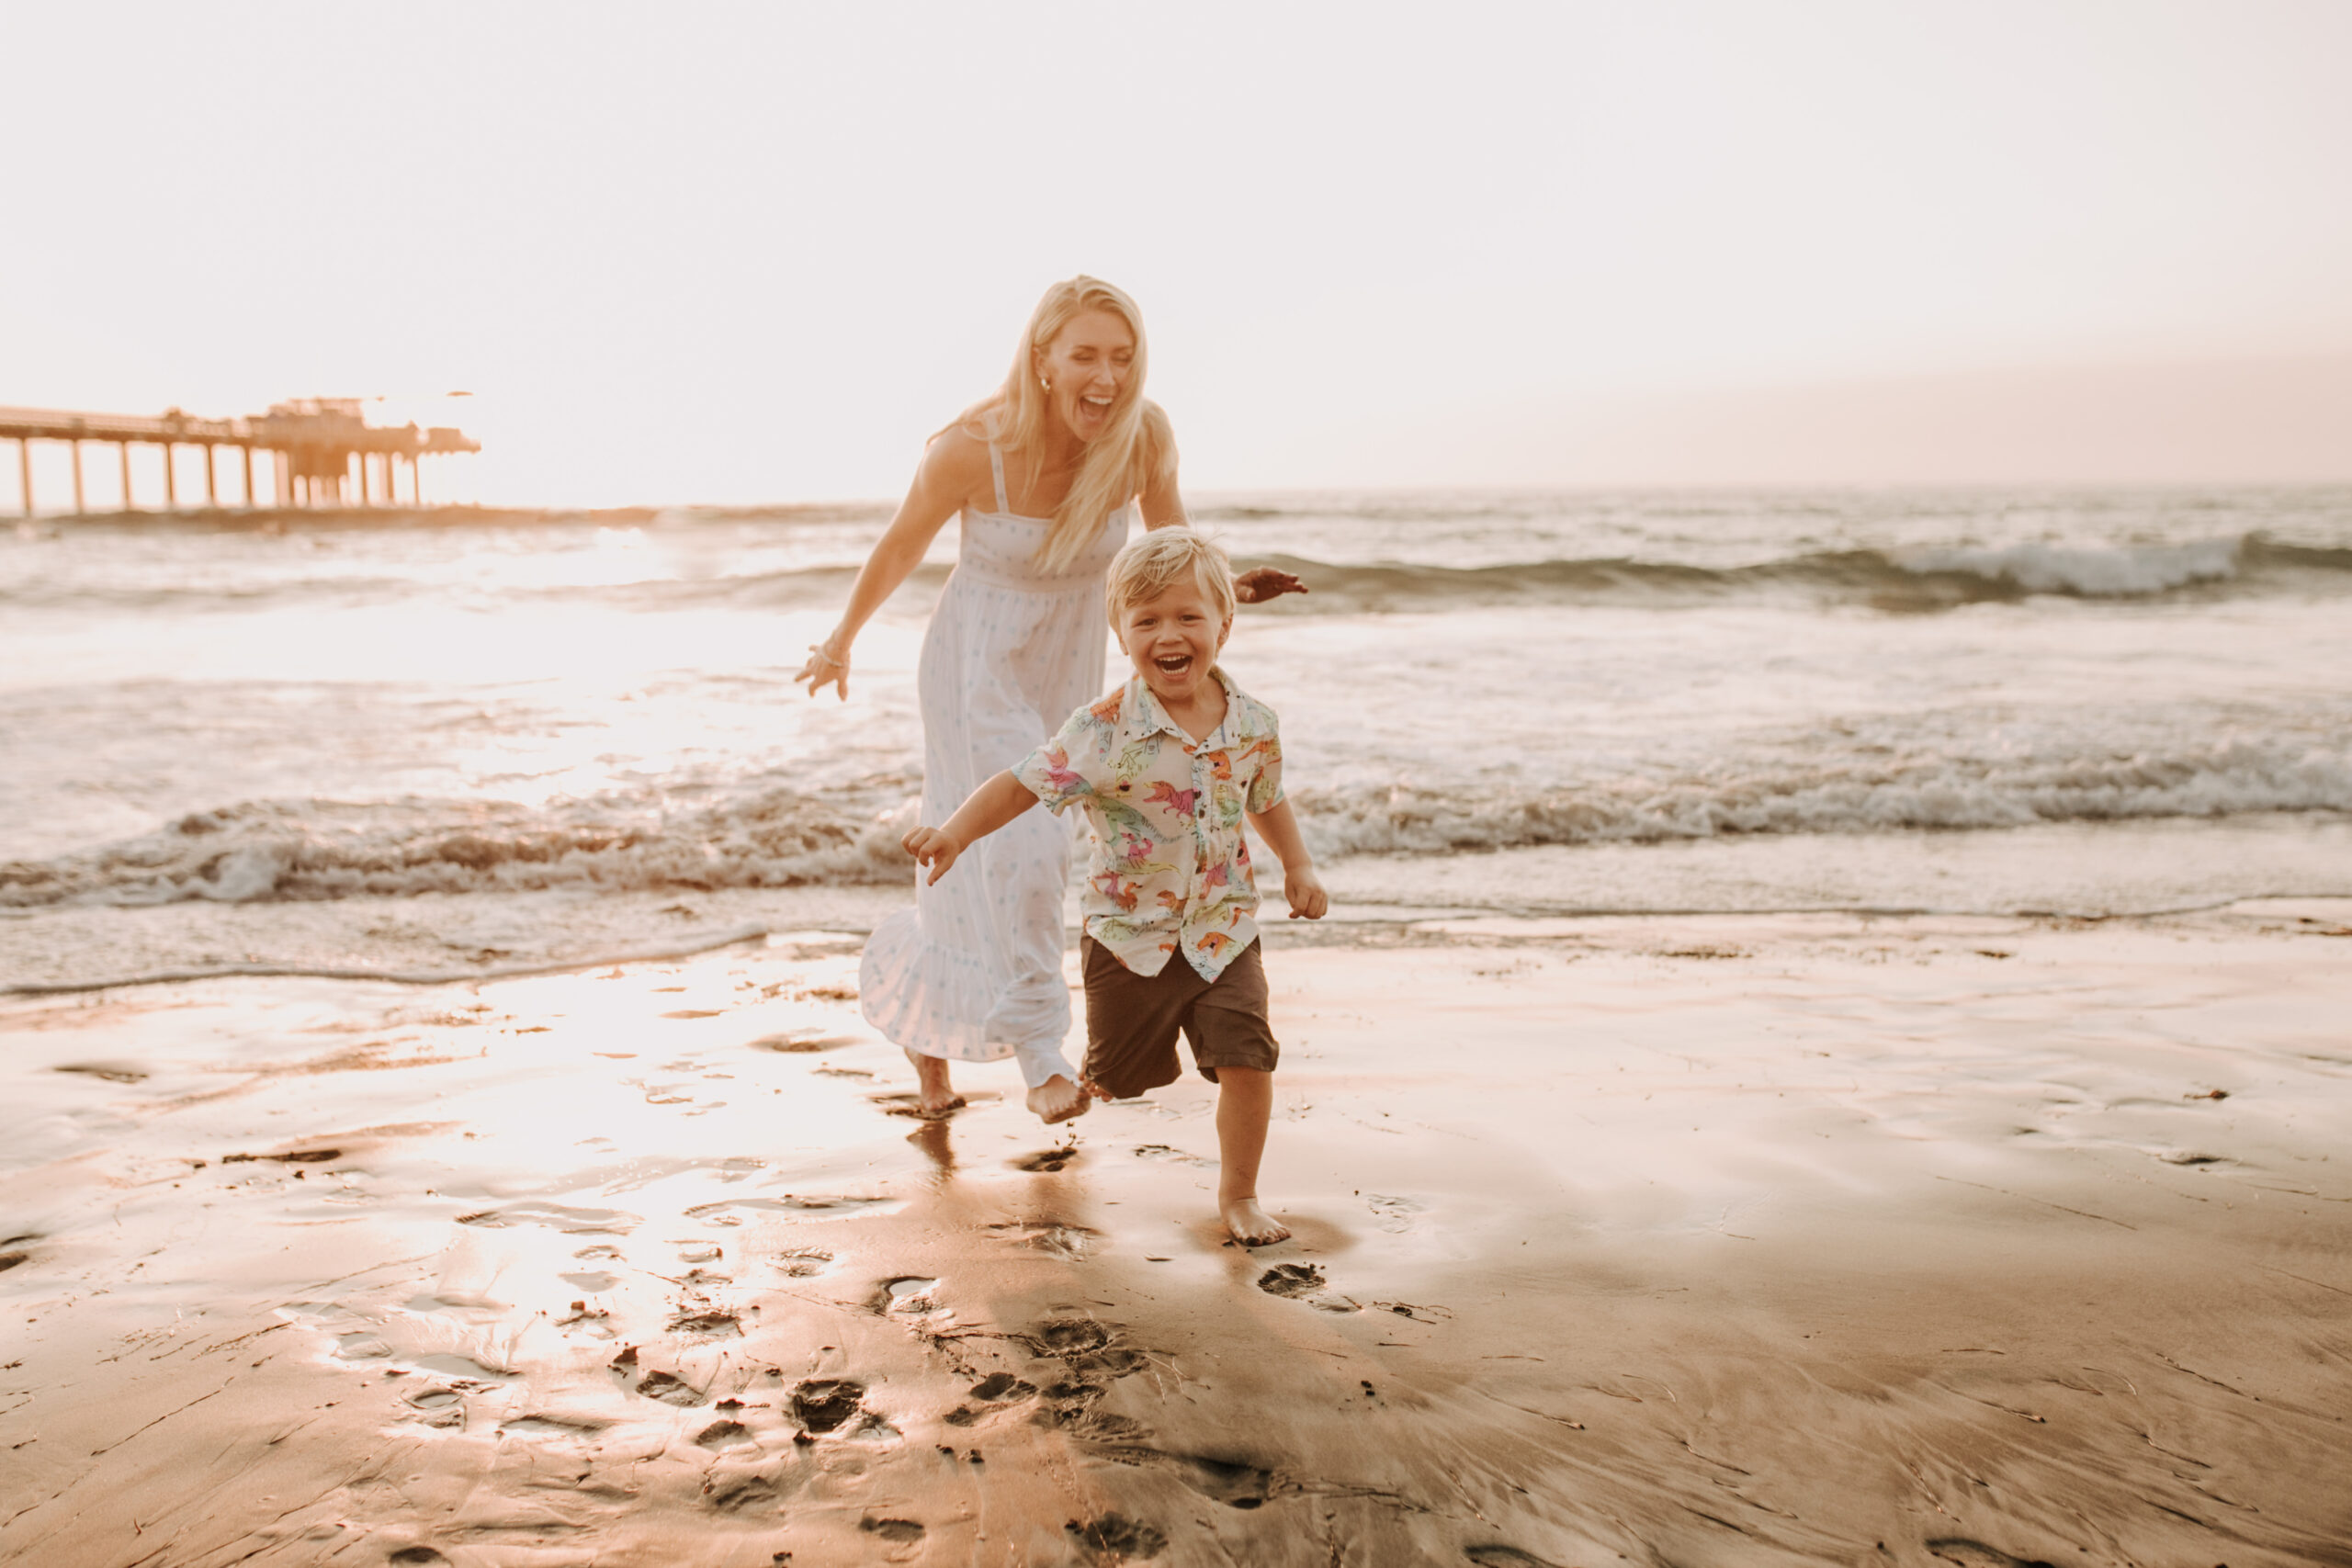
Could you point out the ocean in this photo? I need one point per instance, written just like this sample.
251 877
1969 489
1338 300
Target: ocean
2087 703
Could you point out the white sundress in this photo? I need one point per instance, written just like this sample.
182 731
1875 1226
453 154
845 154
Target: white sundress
973 971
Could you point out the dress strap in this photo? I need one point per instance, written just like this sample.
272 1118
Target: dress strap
996 467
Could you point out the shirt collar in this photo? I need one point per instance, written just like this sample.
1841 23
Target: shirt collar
1142 716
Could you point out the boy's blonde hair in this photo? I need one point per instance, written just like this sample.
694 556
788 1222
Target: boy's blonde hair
1148 565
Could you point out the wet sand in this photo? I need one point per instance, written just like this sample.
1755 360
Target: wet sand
1729 1240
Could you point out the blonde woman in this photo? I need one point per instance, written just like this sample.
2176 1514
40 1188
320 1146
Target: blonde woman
1047 473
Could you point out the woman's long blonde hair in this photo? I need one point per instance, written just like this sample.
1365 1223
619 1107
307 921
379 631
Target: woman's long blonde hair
1137 444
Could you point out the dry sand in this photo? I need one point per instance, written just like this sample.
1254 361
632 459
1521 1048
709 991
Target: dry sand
1724 1241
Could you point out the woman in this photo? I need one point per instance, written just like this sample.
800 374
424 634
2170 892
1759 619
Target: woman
1044 472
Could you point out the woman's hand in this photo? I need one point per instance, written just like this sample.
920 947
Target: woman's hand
828 666
1255 587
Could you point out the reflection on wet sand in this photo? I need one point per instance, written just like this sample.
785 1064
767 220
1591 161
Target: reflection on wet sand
1727 1241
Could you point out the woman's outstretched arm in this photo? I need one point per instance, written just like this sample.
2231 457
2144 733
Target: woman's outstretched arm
1164 507
943 480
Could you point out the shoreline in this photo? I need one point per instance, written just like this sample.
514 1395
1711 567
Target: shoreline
2055 871
1730 1238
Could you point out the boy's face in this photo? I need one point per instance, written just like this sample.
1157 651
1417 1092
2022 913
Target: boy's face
1174 638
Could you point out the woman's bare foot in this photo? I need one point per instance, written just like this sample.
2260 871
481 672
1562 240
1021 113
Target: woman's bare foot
936 1096
1057 1100
1250 1224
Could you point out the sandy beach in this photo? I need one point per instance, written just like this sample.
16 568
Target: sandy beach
1792 587
1697 1240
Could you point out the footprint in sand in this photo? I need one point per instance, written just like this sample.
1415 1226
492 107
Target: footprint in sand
437 1408
1046 1159
724 1434
1114 1538
911 1295
1067 1405
997 1388
669 1388
1094 1359
1085 1345
1303 1282
1052 1237
825 1404
1396 1214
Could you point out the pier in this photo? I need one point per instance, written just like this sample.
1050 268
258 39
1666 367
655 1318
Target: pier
321 452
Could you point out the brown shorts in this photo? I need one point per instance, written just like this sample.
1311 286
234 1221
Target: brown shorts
1132 1021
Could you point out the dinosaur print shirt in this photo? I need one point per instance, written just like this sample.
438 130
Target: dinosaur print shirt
1168 869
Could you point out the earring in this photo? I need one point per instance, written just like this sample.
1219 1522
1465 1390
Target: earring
1048 386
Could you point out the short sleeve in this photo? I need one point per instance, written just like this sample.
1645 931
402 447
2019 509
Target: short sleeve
1060 770
1266 777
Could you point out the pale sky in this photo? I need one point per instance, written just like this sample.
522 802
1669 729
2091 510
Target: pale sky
758 252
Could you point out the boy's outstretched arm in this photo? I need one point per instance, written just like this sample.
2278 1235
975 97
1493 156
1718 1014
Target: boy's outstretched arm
1300 885
995 803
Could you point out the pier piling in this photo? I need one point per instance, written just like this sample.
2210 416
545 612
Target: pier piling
313 444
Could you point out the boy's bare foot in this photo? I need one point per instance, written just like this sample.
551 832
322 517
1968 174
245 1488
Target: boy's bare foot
935 1096
1057 1100
1250 1224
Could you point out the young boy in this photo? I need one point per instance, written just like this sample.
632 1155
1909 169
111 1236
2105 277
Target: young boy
1166 768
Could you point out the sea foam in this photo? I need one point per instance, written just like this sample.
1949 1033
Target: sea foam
273 850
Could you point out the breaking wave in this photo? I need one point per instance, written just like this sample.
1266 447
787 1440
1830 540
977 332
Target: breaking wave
272 851
292 851
1923 578
1927 792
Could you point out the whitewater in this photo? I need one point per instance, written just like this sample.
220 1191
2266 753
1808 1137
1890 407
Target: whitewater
1480 689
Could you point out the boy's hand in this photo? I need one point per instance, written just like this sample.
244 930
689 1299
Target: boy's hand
1305 891
932 848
